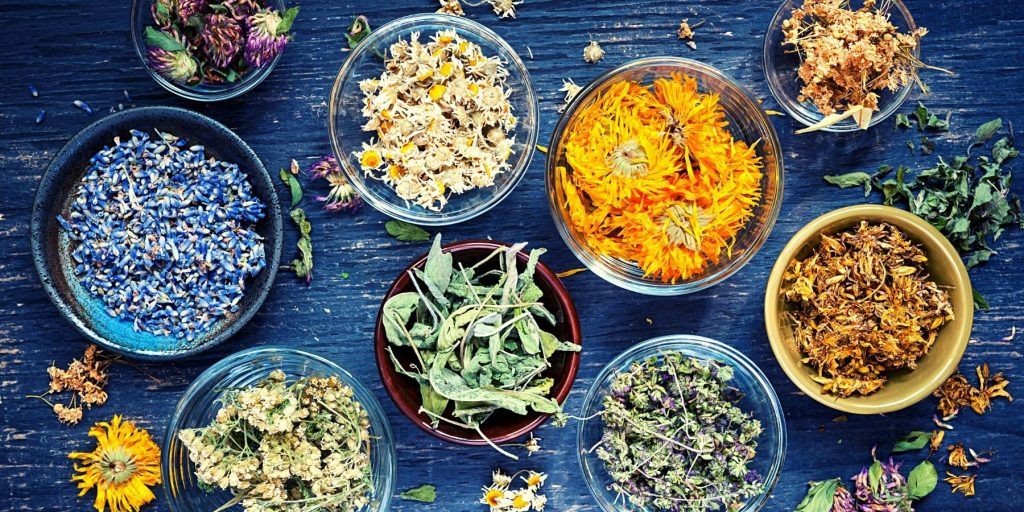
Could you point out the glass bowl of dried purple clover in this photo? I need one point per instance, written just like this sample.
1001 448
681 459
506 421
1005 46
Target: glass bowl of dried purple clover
681 423
210 51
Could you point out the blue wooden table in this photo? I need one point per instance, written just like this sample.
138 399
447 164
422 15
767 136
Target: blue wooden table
72 49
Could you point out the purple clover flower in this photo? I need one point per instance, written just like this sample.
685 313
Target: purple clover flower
342 196
262 42
178 66
188 8
221 39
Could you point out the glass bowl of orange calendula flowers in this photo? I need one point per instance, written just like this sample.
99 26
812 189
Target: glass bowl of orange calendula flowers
664 176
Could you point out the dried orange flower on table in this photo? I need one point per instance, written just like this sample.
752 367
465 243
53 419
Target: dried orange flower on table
956 393
122 468
963 484
848 56
935 441
442 119
862 305
655 177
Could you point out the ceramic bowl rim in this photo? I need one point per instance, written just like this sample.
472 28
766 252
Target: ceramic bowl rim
935 244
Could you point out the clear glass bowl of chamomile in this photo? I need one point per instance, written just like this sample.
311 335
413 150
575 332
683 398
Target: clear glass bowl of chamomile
758 400
199 405
782 62
346 121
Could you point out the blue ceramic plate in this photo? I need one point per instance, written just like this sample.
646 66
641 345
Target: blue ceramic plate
51 247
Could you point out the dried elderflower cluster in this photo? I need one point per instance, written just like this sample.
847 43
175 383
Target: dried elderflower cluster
442 118
85 379
848 56
307 443
862 305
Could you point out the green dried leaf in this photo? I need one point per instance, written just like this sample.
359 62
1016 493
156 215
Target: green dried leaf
875 476
902 121
979 300
852 179
293 186
438 271
985 132
303 265
424 493
820 497
162 40
357 31
913 441
432 401
287 19
922 480
405 232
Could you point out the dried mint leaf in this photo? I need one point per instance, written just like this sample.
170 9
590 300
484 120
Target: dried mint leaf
406 232
852 179
922 480
913 441
293 186
820 497
979 301
985 132
902 121
303 265
424 493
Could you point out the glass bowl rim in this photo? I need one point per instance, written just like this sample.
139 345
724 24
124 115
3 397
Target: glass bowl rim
649 287
355 176
248 82
790 105
712 348
378 418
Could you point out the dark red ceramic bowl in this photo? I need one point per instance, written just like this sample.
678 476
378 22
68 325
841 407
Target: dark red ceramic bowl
503 426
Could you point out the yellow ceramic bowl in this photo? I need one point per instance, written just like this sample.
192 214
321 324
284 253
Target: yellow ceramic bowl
905 387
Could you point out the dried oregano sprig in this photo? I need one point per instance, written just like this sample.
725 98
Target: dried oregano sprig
675 439
277 446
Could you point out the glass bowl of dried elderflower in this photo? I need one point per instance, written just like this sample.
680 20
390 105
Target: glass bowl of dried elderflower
681 423
275 429
433 118
842 65
664 176
868 309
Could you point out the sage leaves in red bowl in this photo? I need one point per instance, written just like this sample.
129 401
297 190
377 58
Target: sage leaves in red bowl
478 342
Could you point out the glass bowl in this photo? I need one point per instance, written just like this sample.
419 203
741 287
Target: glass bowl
199 405
143 17
759 399
781 63
747 122
346 118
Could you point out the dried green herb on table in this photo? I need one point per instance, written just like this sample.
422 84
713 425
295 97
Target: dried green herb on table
406 232
307 443
425 493
303 264
357 31
675 438
476 337
862 305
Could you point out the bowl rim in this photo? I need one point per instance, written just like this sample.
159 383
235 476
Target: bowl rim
648 287
56 167
355 176
373 408
561 393
674 342
248 82
937 247
789 105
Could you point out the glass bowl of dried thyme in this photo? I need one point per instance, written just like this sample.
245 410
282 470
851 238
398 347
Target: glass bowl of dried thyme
782 60
433 118
681 419
283 409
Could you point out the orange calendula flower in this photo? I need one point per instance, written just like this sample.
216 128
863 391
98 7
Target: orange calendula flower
654 176
963 484
122 468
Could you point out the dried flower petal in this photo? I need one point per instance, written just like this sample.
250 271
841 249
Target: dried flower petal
963 484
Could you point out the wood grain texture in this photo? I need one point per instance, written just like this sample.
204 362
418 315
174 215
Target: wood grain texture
73 49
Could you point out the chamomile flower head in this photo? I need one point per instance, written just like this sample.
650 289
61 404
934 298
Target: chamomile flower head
535 480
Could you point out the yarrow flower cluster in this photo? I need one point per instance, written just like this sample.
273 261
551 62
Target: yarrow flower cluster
500 496
198 41
308 444
163 235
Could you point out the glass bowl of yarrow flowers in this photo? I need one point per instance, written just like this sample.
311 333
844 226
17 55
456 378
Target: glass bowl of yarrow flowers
664 176
842 65
210 50
274 429
433 118
681 424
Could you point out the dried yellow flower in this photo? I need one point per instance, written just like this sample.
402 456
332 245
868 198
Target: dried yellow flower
85 379
935 442
963 484
956 393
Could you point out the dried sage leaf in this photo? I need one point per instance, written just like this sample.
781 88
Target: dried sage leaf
405 232
424 493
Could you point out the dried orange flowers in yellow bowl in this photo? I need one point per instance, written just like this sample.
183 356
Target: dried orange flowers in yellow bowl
664 176
868 309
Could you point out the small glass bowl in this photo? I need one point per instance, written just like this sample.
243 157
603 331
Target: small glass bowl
143 17
759 399
747 122
199 405
346 118
781 64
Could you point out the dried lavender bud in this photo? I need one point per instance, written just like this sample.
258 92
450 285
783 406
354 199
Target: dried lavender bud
221 39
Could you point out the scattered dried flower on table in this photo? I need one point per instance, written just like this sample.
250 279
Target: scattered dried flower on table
593 52
308 441
935 441
665 451
85 379
862 305
847 57
653 176
879 487
571 90
442 119
963 458
500 497
357 31
122 467
343 196
956 393
686 32
963 484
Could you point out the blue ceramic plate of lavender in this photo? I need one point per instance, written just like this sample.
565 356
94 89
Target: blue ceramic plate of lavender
156 232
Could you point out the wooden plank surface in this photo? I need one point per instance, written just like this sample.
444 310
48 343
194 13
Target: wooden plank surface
72 49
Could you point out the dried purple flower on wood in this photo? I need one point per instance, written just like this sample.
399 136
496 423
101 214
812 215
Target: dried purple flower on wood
262 42
343 196
220 39
188 8
843 500
178 66
890 492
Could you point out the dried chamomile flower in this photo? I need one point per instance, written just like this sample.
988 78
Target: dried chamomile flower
499 497
571 90
453 7
593 52
504 8
442 117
